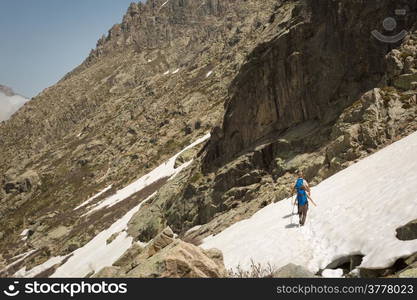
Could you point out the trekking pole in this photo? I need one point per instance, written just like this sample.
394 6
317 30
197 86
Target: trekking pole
293 206
312 201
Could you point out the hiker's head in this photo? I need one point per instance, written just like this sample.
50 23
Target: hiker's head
300 173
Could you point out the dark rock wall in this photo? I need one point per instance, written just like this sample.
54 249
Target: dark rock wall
318 61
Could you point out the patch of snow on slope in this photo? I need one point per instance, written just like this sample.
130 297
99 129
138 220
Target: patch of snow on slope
208 74
97 254
93 256
24 232
167 72
358 212
176 71
164 170
329 273
94 197
18 258
163 4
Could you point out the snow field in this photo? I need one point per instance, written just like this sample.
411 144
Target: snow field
358 212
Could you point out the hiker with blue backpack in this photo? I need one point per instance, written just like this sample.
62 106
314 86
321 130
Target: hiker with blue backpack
302 190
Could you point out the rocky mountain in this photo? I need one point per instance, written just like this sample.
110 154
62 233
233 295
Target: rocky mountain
122 112
281 86
10 102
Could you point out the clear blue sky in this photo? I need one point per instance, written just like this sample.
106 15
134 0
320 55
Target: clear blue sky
42 40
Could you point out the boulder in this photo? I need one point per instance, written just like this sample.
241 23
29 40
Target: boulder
292 271
24 183
179 260
166 256
216 255
407 232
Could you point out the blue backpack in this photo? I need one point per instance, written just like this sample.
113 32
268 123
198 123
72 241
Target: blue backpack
301 193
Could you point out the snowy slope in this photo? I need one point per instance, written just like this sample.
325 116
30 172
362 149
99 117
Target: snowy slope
358 211
97 253
166 169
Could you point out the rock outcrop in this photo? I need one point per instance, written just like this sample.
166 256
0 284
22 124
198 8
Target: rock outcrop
408 232
292 76
22 184
165 257
293 271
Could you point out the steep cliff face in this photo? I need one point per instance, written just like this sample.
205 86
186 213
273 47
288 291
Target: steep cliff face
156 24
317 58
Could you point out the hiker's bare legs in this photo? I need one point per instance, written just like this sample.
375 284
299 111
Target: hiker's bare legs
303 213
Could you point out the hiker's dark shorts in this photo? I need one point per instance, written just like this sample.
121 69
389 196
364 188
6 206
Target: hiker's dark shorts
302 208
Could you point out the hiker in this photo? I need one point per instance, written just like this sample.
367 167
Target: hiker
302 190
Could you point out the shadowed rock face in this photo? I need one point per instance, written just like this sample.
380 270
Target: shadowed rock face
317 60
407 232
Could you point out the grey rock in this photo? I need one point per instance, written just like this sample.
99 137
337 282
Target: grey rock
293 271
108 272
407 232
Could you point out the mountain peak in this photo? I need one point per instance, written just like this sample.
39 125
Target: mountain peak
157 23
